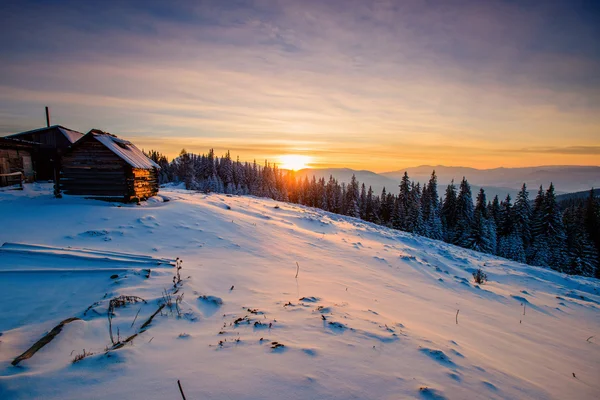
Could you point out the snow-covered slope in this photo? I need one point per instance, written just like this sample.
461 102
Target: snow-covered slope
372 314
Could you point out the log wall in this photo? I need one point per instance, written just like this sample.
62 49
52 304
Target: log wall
91 169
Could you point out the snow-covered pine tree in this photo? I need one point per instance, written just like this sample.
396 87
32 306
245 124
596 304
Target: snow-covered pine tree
431 212
494 210
522 216
362 204
582 255
591 220
537 252
404 200
464 214
352 198
448 213
510 244
553 230
483 232
415 217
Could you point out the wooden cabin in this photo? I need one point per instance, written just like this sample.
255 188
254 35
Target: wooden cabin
100 165
16 161
54 141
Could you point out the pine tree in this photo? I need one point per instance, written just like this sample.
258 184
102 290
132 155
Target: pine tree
506 225
483 232
431 210
582 254
448 214
415 216
404 204
369 206
352 198
522 217
537 253
396 217
549 238
363 202
494 210
464 215
511 247
384 210
591 221
510 243
554 231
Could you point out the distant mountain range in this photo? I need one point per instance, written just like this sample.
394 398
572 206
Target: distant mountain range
497 181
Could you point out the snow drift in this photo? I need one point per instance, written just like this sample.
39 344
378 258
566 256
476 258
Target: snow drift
374 313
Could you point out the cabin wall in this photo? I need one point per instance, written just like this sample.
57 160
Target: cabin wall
52 138
53 144
91 169
15 160
144 183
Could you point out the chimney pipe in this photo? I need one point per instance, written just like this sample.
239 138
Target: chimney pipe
47 117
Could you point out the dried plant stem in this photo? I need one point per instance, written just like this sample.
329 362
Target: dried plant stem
181 389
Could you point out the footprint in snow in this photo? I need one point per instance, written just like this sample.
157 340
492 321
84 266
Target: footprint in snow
438 355
429 393
148 221
456 353
454 376
310 352
490 386
336 326
310 299
209 305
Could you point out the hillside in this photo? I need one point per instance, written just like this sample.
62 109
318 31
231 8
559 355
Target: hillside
576 196
374 313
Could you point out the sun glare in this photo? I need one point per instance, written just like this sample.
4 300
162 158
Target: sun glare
294 162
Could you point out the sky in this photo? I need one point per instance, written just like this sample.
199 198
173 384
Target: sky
377 85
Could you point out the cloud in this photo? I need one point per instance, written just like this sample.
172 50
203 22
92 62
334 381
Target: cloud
364 82
583 150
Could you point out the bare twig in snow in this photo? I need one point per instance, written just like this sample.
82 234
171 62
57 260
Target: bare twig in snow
136 315
297 269
151 317
81 356
457 311
180 389
43 341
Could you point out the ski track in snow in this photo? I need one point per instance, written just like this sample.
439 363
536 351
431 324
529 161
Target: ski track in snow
372 313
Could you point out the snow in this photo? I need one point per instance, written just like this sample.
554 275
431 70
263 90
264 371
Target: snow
126 150
72 136
372 313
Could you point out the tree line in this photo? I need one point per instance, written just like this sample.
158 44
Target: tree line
538 232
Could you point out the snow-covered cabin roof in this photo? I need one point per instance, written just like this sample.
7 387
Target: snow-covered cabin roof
71 135
124 149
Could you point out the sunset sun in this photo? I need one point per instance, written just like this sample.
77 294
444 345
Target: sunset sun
294 162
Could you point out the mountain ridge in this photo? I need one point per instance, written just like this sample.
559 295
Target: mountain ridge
500 181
